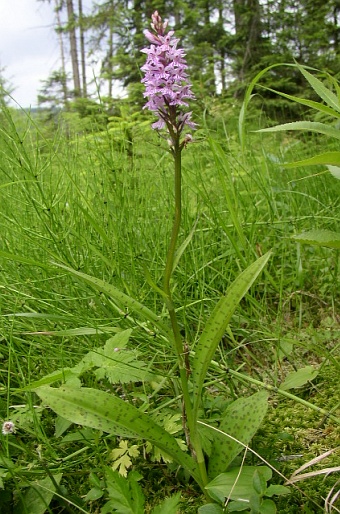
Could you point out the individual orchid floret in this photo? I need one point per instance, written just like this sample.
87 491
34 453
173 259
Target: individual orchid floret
166 82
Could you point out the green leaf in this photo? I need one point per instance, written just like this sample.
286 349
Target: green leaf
93 494
236 484
38 496
268 507
210 508
241 420
104 411
168 506
123 299
238 506
322 91
312 126
248 96
277 490
304 101
325 238
324 158
299 378
259 483
255 502
217 324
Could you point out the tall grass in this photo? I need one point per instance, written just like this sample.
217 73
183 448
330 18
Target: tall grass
83 201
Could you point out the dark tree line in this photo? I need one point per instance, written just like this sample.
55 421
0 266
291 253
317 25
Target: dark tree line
227 42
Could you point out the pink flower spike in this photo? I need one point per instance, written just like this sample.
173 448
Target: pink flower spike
166 82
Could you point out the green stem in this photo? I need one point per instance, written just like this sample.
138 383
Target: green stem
177 153
188 418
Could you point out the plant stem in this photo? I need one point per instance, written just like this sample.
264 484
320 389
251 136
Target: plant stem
189 426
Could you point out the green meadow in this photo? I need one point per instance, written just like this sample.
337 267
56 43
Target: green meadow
76 193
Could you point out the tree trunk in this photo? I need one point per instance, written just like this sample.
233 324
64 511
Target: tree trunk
73 47
82 47
109 58
58 7
248 28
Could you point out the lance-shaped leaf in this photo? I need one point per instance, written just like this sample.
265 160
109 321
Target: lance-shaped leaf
332 158
312 126
318 106
122 298
323 92
218 322
104 411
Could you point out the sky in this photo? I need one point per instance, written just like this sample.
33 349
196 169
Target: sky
29 49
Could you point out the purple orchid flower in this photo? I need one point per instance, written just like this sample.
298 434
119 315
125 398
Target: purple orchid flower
166 81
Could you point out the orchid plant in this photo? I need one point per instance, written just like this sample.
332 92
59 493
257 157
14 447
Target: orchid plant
167 89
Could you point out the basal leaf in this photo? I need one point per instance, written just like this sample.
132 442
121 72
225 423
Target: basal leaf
108 413
218 322
241 420
325 238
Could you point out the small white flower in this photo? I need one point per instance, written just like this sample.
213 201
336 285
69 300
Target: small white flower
8 427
